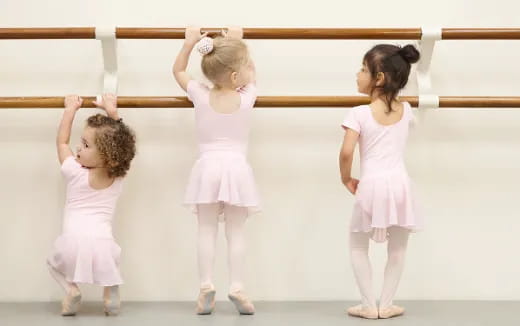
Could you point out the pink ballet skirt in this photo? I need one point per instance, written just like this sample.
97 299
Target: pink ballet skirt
385 195
383 201
222 173
87 260
86 251
225 177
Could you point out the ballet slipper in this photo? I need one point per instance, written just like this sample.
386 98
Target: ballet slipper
363 312
391 311
111 301
206 301
71 302
242 303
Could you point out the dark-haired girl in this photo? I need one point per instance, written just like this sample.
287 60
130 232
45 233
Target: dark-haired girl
384 207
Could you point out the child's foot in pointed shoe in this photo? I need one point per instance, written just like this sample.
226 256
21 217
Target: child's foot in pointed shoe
71 302
206 301
362 311
391 311
242 303
111 301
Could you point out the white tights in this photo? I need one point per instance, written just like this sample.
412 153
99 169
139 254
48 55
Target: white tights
208 216
359 243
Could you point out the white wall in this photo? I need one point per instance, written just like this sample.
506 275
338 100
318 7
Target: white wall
465 162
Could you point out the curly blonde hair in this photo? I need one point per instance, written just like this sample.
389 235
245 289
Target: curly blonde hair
228 55
115 142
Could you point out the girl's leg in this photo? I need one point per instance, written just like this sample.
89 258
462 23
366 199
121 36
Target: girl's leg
397 245
207 242
359 244
71 302
111 299
235 235
235 229
60 278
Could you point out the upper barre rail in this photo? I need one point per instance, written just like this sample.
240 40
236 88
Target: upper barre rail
266 33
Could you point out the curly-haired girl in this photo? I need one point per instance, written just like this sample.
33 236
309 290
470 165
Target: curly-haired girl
86 251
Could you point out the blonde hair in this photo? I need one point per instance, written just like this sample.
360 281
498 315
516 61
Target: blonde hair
228 55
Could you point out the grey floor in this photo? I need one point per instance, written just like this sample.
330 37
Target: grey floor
419 313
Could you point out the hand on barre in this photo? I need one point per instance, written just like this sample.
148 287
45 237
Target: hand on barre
233 31
108 102
73 102
193 35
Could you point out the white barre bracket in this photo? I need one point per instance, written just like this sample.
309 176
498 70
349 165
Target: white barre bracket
430 35
107 36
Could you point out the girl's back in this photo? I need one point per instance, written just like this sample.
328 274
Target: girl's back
221 131
381 144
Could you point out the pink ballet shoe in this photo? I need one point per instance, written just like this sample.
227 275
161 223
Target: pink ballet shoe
206 301
242 303
71 302
389 312
111 302
363 312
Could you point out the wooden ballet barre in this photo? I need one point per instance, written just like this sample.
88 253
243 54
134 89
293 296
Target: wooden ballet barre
262 101
267 33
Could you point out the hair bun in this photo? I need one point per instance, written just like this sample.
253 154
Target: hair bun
205 45
409 53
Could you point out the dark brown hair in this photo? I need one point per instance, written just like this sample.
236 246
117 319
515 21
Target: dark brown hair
395 63
115 142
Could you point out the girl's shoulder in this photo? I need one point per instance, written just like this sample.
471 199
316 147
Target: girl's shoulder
195 89
361 111
70 168
408 113
195 84
117 185
406 105
361 108
248 89
355 118
248 94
